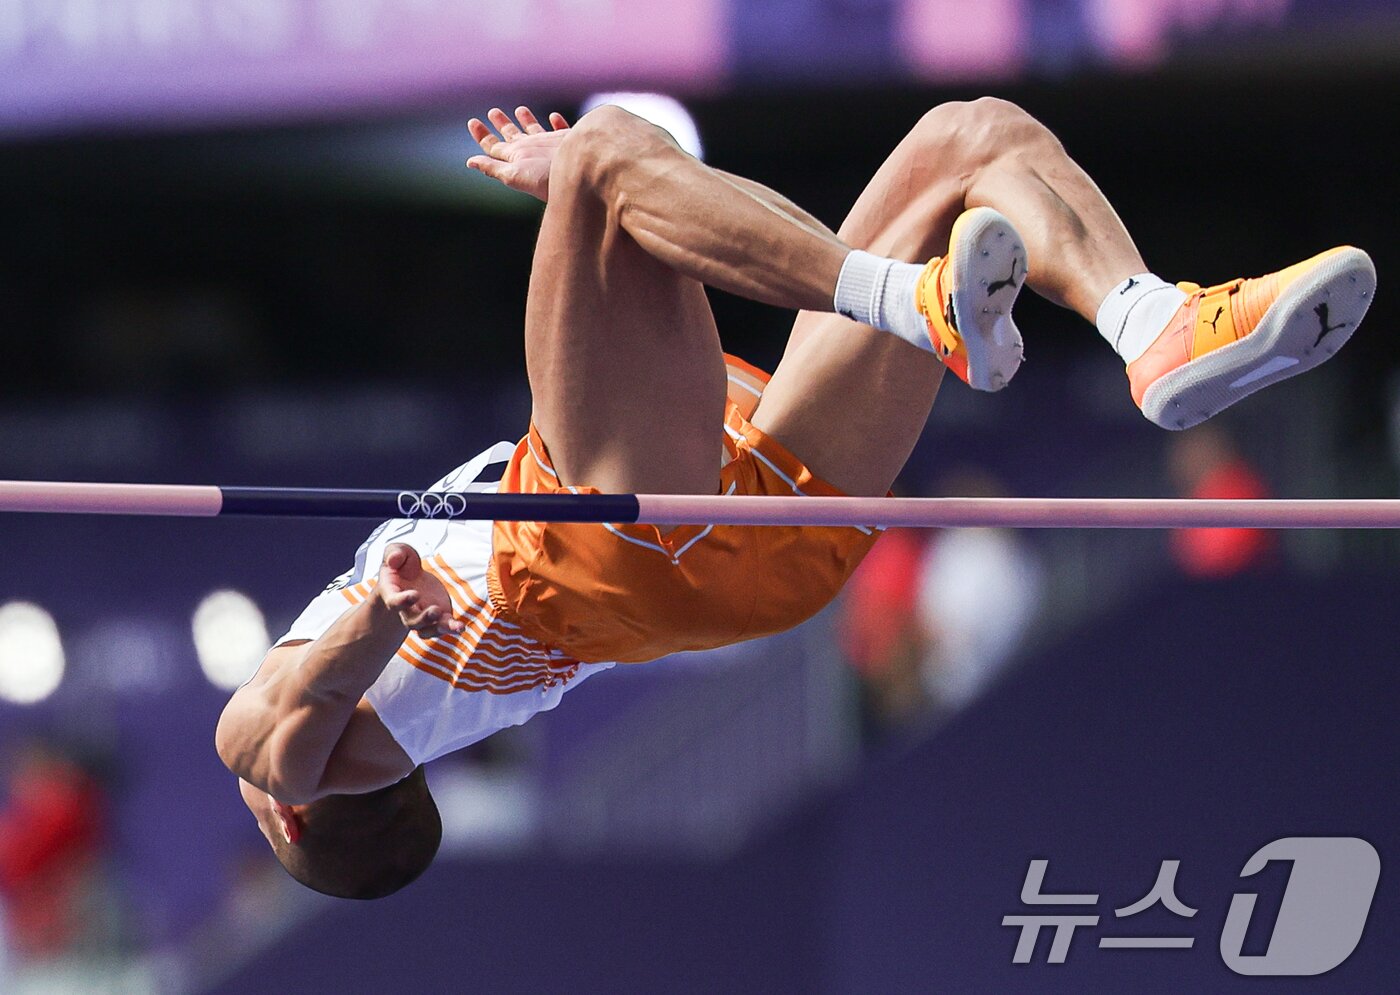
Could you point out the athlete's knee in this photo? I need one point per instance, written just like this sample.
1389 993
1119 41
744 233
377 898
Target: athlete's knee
604 146
979 131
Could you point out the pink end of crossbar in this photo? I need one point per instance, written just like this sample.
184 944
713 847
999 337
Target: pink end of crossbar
109 499
1120 513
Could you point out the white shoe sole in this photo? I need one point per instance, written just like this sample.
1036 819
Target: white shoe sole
1309 322
989 270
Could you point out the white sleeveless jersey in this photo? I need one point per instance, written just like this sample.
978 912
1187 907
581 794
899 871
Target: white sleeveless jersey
444 693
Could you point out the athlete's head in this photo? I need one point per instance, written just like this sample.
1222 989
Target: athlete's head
353 846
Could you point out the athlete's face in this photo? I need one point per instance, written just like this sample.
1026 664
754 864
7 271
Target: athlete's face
278 822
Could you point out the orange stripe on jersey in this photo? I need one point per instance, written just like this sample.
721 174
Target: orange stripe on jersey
464 657
501 645
358 592
464 643
476 625
480 631
480 674
455 579
488 661
496 634
497 664
473 682
503 648
465 684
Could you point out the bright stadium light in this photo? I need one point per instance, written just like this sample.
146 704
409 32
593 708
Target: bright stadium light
31 654
661 110
230 638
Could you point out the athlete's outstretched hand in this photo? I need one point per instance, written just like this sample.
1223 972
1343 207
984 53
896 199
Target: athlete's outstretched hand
419 597
521 156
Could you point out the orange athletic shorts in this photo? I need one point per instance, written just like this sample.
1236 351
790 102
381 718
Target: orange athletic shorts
627 593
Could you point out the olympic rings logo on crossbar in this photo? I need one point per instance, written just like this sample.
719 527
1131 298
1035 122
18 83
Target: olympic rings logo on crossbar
432 505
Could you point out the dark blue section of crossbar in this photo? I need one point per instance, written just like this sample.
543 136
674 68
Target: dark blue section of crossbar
447 506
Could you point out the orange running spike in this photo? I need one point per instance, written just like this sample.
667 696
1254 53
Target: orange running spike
1228 341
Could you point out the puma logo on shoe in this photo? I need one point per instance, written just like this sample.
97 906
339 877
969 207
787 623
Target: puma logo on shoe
1211 323
1010 281
1321 312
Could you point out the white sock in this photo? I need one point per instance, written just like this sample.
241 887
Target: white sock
1135 312
883 293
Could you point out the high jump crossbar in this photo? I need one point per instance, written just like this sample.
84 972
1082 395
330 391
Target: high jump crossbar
677 509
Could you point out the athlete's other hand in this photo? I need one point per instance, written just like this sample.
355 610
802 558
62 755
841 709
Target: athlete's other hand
418 596
521 156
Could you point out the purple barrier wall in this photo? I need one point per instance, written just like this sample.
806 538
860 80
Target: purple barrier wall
1198 725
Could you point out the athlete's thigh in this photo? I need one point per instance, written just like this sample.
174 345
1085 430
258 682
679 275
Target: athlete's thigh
850 401
625 366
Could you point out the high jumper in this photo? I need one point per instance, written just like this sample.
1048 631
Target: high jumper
443 632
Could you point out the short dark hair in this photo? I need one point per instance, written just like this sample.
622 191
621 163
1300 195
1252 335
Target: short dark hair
365 846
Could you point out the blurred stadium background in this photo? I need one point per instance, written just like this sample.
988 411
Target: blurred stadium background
238 245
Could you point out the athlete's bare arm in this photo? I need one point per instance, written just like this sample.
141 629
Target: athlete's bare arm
301 729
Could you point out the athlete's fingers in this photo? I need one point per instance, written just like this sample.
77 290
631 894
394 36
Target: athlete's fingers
491 167
508 129
484 136
425 619
401 600
452 627
418 622
558 122
498 149
528 121
403 559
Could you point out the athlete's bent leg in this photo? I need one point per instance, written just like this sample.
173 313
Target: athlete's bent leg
852 401
1078 247
623 357
1190 352
624 361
